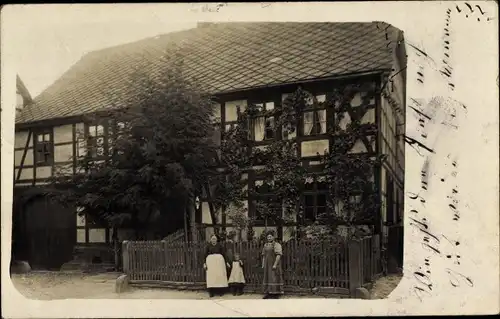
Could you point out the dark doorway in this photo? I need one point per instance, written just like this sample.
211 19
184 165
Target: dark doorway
50 233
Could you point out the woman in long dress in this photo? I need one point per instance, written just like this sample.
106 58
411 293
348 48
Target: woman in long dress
215 266
273 272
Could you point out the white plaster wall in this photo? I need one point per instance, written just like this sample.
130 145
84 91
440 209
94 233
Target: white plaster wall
43 172
20 139
26 173
206 218
369 117
18 156
63 153
63 133
358 147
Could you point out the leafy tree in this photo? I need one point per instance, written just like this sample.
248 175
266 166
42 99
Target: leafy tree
159 154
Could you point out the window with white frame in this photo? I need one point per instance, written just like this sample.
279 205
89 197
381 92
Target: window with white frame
264 127
96 140
314 119
232 110
315 197
288 131
114 134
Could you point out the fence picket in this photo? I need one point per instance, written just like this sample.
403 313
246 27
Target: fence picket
306 264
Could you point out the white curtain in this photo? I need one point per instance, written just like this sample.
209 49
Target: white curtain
308 122
322 120
259 125
100 130
231 112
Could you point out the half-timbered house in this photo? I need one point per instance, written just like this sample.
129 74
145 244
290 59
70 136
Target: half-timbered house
239 63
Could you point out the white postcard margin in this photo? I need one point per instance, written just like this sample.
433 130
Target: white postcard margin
473 146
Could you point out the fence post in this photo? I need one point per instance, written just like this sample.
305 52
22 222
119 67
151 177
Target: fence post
355 280
125 256
164 259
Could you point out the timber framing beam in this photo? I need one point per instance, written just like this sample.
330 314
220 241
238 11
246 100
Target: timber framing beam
23 158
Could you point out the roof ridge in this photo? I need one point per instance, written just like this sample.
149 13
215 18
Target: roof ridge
222 57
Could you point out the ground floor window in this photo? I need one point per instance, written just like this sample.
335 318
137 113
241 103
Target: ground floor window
89 231
314 199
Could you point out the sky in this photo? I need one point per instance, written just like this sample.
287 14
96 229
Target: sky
46 47
51 38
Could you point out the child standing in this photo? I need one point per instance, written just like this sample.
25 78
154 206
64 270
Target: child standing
237 279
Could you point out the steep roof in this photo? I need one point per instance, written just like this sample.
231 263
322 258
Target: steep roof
223 57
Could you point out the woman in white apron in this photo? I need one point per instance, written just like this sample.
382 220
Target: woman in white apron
215 266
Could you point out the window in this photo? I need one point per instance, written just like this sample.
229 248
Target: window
44 148
315 119
231 126
96 140
114 135
288 132
120 127
232 110
264 125
266 203
315 198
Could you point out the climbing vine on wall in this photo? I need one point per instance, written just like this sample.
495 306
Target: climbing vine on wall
352 193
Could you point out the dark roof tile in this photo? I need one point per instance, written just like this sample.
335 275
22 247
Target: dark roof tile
223 57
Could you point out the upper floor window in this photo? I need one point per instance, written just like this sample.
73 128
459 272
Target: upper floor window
232 109
288 130
44 148
314 119
96 139
264 127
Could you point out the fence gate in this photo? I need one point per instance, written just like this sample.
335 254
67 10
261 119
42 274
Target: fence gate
50 233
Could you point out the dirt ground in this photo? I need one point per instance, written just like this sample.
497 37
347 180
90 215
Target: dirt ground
76 285
384 286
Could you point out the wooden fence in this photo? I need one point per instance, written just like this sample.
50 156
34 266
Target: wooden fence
334 267
395 245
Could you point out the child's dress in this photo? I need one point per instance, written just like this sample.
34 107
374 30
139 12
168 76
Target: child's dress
237 278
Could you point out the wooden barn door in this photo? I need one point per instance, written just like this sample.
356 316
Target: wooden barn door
50 233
